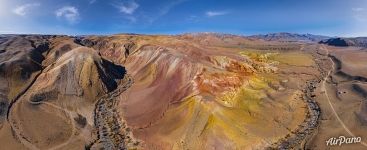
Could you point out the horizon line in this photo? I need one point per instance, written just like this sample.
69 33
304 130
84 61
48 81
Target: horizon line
176 34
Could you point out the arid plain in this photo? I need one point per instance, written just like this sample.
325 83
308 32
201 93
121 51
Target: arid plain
189 91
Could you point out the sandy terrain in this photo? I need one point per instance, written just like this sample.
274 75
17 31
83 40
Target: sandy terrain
341 98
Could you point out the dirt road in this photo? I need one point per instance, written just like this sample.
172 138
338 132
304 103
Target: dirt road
324 89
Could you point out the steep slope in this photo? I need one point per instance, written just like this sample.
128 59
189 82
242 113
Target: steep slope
202 92
56 110
20 60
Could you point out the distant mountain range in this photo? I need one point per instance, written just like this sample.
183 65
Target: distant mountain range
279 37
358 41
290 37
294 37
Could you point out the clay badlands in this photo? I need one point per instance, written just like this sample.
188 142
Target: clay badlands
190 91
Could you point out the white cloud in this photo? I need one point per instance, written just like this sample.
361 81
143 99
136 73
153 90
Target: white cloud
361 18
358 9
192 18
92 1
215 13
22 10
130 18
70 13
163 10
360 14
127 6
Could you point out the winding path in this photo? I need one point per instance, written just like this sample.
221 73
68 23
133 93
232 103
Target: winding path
70 139
13 126
328 99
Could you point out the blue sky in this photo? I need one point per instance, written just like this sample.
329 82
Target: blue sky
326 17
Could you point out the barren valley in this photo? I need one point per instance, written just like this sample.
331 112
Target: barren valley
188 91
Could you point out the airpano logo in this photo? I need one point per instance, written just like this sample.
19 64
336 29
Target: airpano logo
342 140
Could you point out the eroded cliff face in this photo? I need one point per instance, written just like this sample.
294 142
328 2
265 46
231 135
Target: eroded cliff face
194 91
191 92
